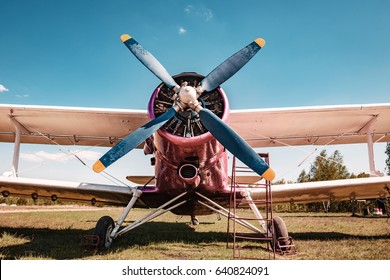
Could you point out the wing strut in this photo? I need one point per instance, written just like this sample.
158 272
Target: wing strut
367 128
18 132
371 157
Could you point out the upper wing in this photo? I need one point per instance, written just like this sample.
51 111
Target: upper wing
323 125
260 127
68 125
348 189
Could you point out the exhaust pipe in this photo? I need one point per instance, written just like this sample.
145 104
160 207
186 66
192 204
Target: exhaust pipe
189 174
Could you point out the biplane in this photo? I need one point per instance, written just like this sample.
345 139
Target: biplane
189 130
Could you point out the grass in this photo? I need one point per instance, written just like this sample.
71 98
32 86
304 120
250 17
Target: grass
317 236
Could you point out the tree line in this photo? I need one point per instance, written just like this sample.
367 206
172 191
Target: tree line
330 167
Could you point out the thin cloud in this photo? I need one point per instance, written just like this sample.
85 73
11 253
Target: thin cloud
207 14
31 157
60 156
188 9
201 12
182 30
42 156
3 89
88 155
22 95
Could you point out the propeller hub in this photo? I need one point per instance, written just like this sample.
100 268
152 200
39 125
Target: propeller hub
188 97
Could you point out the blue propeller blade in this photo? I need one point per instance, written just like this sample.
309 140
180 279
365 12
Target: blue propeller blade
132 140
149 61
231 65
235 144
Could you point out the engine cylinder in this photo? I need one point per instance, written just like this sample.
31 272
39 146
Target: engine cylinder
185 128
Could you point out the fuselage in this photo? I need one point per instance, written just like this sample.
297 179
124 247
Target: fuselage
186 156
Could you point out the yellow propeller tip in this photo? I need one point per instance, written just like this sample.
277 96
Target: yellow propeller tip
269 174
260 42
98 167
125 37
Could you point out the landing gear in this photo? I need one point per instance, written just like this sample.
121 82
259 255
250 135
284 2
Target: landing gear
103 229
280 227
106 230
281 243
194 220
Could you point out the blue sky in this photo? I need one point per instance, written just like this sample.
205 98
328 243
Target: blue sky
68 53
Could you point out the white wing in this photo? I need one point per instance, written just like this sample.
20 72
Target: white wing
346 124
69 125
361 188
65 190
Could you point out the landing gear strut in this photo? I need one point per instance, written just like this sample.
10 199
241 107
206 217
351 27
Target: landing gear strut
194 220
108 231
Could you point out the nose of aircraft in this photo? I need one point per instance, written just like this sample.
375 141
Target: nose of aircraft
187 98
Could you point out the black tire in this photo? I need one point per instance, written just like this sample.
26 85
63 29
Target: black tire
103 229
280 229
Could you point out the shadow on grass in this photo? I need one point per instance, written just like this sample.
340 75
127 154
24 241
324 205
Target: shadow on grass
62 244
334 236
357 216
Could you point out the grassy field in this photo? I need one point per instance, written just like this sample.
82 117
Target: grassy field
317 236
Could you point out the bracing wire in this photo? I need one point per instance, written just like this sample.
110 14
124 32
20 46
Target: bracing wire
309 154
69 153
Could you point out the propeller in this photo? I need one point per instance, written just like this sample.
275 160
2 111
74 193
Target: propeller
149 61
230 66
226 136
187 98
133 140
235 144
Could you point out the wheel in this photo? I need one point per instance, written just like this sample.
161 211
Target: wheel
280 229
103 229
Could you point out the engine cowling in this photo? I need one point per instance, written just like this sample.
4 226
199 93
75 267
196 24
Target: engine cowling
187 156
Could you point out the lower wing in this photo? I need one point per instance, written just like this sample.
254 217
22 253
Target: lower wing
65 190
348 189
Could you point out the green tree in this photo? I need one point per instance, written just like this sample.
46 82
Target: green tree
388 158
325 168
360 175
303 177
